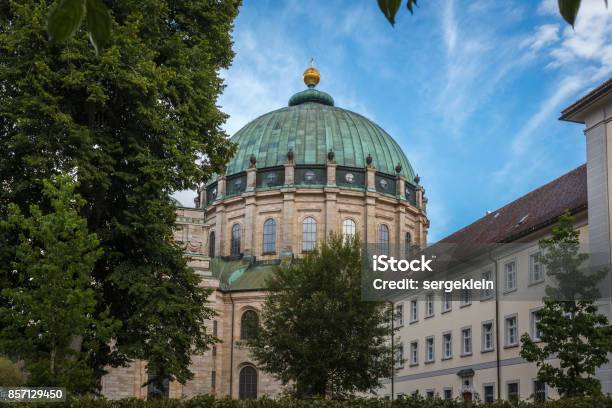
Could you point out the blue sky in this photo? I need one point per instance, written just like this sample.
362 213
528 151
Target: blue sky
471 90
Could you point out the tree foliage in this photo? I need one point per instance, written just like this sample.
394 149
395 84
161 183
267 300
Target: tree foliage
317 333
572 329
132 123
10 373
49 311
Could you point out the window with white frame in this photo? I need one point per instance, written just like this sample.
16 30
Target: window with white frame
488 391
447 345
269 236
399 355
429 305
466 297
348 229
448 393
235 243
510 276
430 393
414 353
511 331
399 315
536 330
487 293
466 341
309 234
383 239
513 392
429 349
447 301
536 269
487 336
414 310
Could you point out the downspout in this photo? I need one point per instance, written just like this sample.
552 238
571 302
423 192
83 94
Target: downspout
231 376
392 349
497 345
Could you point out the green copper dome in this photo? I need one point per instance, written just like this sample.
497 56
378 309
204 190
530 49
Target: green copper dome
311 126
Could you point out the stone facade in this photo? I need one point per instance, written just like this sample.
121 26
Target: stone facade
288 206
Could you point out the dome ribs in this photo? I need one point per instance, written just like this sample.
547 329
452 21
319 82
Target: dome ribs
311 129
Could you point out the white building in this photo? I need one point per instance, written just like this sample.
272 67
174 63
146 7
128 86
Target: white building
464 345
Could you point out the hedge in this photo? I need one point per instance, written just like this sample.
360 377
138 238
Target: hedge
411 402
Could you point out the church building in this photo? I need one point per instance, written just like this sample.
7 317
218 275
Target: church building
299 173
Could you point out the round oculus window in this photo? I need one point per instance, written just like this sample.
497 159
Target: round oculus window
384 184
271 178
309 175
349 177
238 184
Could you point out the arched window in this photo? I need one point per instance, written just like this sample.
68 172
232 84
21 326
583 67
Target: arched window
211 244
247 383
383 240
408 245
309 234
348 229
235 249
269 236
249 324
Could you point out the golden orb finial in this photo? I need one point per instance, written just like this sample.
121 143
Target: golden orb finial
311 75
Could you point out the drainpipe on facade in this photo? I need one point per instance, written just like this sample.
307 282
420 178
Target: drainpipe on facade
231 376
392 350
497 345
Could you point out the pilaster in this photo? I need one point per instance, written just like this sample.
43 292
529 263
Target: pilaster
289 221
400 187
220 229
331 212
331 174
221 182
371 178
250 211
289 173
251 178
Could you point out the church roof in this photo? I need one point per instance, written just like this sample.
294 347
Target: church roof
311 126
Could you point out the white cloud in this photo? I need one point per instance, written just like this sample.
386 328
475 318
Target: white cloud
581 57
479 58
545 34
548 108
548 7
449 26
590 40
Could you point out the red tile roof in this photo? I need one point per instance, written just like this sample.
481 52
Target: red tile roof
531 212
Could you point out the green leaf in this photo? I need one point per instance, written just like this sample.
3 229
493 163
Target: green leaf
389 9
410 4
569 10
64 19
98 23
